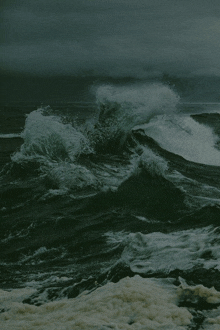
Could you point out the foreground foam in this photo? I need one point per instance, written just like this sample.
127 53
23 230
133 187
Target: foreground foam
14 297
133 303
212 321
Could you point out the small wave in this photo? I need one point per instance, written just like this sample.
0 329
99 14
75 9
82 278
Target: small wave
42 255
197 194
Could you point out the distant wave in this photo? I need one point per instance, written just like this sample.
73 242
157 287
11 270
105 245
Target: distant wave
10 136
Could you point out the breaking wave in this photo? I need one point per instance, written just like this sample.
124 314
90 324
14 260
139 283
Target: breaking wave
109 147
70 155
46 138
184 136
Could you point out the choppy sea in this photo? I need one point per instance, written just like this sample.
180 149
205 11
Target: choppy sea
110 212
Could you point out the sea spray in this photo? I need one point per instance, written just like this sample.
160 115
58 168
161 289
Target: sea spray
123 107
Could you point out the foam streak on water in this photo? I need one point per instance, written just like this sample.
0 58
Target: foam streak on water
156 252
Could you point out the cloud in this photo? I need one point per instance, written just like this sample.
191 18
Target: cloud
117 38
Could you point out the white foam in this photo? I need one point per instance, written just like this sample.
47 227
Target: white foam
141 218
13 297
158 252
185 137
131 304
100 176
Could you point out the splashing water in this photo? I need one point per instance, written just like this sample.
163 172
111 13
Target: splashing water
136 103
46 138
121 108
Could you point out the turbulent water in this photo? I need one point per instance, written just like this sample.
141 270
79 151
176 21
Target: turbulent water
110 213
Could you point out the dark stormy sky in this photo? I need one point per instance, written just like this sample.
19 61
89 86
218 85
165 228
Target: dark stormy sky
111 37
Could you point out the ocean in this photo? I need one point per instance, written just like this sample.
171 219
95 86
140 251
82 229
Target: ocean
110 211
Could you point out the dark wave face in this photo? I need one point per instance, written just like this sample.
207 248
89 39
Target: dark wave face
127 196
